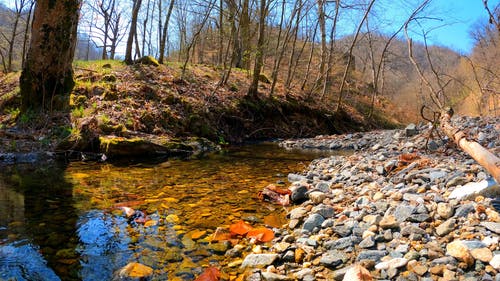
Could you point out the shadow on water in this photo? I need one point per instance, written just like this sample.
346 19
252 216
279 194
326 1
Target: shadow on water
37 226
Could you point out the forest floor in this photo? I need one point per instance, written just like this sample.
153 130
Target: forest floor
157 103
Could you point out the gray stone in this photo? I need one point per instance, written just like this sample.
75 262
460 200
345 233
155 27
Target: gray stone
492 226
373 255
435 175
368 242
419 217
464 210
269 276
409 229
413 197
323 186
432 145
324 210
295 177
298 213
314 220
380 170
343 230
289 256
444 260
333 258
342 243
473 244
444 210
299 193
411 130
258 260
403 212
446 227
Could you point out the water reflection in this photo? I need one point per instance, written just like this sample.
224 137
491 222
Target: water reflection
64 221
38 231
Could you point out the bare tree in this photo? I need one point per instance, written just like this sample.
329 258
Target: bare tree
132 32
259 56
163 33
349 58
18 10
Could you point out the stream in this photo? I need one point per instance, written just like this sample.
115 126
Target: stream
64 222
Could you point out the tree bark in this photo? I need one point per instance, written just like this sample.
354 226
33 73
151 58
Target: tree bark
47 76
132 32
484 157
163 40
259 57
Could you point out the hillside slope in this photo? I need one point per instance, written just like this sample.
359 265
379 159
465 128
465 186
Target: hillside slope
112 99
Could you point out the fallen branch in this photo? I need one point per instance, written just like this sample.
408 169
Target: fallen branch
483 156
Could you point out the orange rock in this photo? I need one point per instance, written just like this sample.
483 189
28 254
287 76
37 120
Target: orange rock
459 251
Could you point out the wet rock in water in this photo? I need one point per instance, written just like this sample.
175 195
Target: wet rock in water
135 270
258 260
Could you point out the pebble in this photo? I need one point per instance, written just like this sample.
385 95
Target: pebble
446 227
258 260
397 220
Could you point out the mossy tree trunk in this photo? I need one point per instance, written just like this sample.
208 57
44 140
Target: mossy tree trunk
47 76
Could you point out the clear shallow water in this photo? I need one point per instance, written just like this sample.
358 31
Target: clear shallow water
63 222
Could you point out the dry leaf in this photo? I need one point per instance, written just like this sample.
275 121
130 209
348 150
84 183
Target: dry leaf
210 274
261 234
240 228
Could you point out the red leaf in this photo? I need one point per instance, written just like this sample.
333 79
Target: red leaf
210 274
240 228
261 234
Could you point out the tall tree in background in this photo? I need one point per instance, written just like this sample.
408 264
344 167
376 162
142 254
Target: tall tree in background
259 56
47 76
163 33
132 35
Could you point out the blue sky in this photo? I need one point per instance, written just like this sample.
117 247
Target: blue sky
458 19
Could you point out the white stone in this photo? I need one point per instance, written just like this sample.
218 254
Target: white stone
495 262
393 263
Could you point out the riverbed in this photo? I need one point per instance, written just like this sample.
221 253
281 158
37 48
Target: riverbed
65 221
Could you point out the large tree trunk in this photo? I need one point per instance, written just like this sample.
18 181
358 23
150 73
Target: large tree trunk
484 157
47 76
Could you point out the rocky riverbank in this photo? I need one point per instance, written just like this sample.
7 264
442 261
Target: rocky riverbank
394 208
